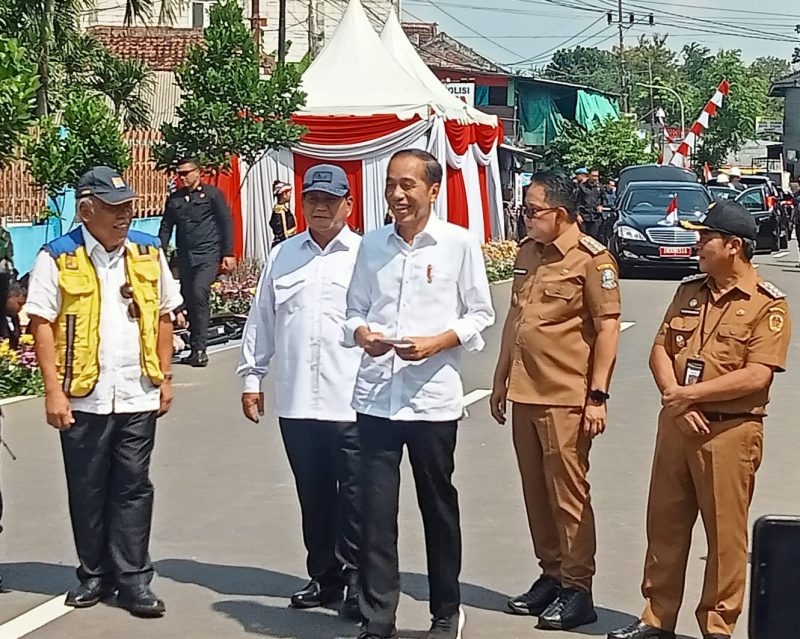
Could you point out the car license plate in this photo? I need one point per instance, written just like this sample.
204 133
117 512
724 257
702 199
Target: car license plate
675 251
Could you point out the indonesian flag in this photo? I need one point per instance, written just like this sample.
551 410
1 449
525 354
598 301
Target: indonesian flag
706 173
672 211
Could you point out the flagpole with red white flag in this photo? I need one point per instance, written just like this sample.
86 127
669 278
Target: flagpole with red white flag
710 110
673 211
706 173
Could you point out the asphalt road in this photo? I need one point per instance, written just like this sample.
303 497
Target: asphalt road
226 541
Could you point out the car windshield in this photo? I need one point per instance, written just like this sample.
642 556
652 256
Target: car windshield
722 193
656 201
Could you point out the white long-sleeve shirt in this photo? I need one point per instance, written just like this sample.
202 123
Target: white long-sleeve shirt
121 387
436 284
296 319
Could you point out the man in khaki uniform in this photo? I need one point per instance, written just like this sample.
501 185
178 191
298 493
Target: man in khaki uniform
724 336
557 355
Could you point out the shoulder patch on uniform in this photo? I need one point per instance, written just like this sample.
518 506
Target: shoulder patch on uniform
524 240
592 245
773 291
694 278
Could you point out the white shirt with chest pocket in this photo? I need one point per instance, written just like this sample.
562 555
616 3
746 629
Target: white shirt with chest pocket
296 320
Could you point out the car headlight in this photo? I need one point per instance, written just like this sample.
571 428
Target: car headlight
628 233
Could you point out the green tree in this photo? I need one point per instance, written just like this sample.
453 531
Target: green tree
127 83
588 66
609 147
228 108
86 135
18 84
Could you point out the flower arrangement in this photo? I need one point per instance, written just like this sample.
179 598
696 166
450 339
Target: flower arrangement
19 370
234 293
499 257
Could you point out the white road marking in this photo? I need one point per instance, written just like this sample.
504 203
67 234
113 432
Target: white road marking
624 326
778 256
34 619
470 398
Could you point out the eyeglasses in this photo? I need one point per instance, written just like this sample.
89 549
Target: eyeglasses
186 172
536 214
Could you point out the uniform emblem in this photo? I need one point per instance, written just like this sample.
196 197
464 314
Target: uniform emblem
680 340
564 271
693 303
776 321
603 267
693 312
520 271
740 312
608 279
72 262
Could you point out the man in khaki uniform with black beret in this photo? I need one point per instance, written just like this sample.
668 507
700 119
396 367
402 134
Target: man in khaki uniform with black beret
557 355
723 338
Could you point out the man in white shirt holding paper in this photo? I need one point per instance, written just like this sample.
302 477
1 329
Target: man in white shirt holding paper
296 320
418 298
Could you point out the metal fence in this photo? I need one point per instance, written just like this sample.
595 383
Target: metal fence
21 200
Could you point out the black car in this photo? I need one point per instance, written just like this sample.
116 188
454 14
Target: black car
643 237
653 173
773 230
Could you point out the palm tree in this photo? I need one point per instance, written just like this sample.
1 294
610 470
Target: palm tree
126 83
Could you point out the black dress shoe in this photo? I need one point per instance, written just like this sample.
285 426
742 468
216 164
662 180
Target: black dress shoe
140 601
90 593
640 630
352 593
316 594
198 359
573 608
542 593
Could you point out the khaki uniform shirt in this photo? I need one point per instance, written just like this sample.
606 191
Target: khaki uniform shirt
559 290
750 323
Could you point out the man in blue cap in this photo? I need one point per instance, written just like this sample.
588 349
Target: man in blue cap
99 300
295 324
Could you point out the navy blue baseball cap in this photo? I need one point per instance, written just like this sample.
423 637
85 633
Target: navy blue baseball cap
326 178
106 184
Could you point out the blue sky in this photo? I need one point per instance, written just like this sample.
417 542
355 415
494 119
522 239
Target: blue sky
526 31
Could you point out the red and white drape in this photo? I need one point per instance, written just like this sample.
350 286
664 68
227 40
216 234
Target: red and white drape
362 146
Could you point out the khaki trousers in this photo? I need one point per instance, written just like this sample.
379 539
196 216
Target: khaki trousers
713 475
553 458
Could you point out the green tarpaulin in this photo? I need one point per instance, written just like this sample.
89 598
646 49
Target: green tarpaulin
593 108
540 119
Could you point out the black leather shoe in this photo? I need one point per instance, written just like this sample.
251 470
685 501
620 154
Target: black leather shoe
573 608
198 359
640 630
90 593
315 595
542 593
350 607
140 601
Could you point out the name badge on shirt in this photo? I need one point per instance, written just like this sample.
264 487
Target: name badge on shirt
520 271
694 372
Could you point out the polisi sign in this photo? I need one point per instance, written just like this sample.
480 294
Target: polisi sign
464 91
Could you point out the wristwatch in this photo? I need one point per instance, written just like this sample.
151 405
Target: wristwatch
168 376
598 397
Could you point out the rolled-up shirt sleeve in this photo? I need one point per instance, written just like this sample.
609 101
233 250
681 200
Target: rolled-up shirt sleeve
476 301
44 294
358 301
258 341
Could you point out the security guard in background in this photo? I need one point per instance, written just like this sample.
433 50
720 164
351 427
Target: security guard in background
282 223
558 351
723 338
205 244
100 299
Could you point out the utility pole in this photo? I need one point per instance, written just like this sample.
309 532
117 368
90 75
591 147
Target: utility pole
255 24
282 31
623 79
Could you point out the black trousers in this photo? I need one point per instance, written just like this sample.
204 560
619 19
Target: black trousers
325 459
196 284
107 463
431 446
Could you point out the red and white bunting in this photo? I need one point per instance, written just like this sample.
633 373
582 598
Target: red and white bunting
681 155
